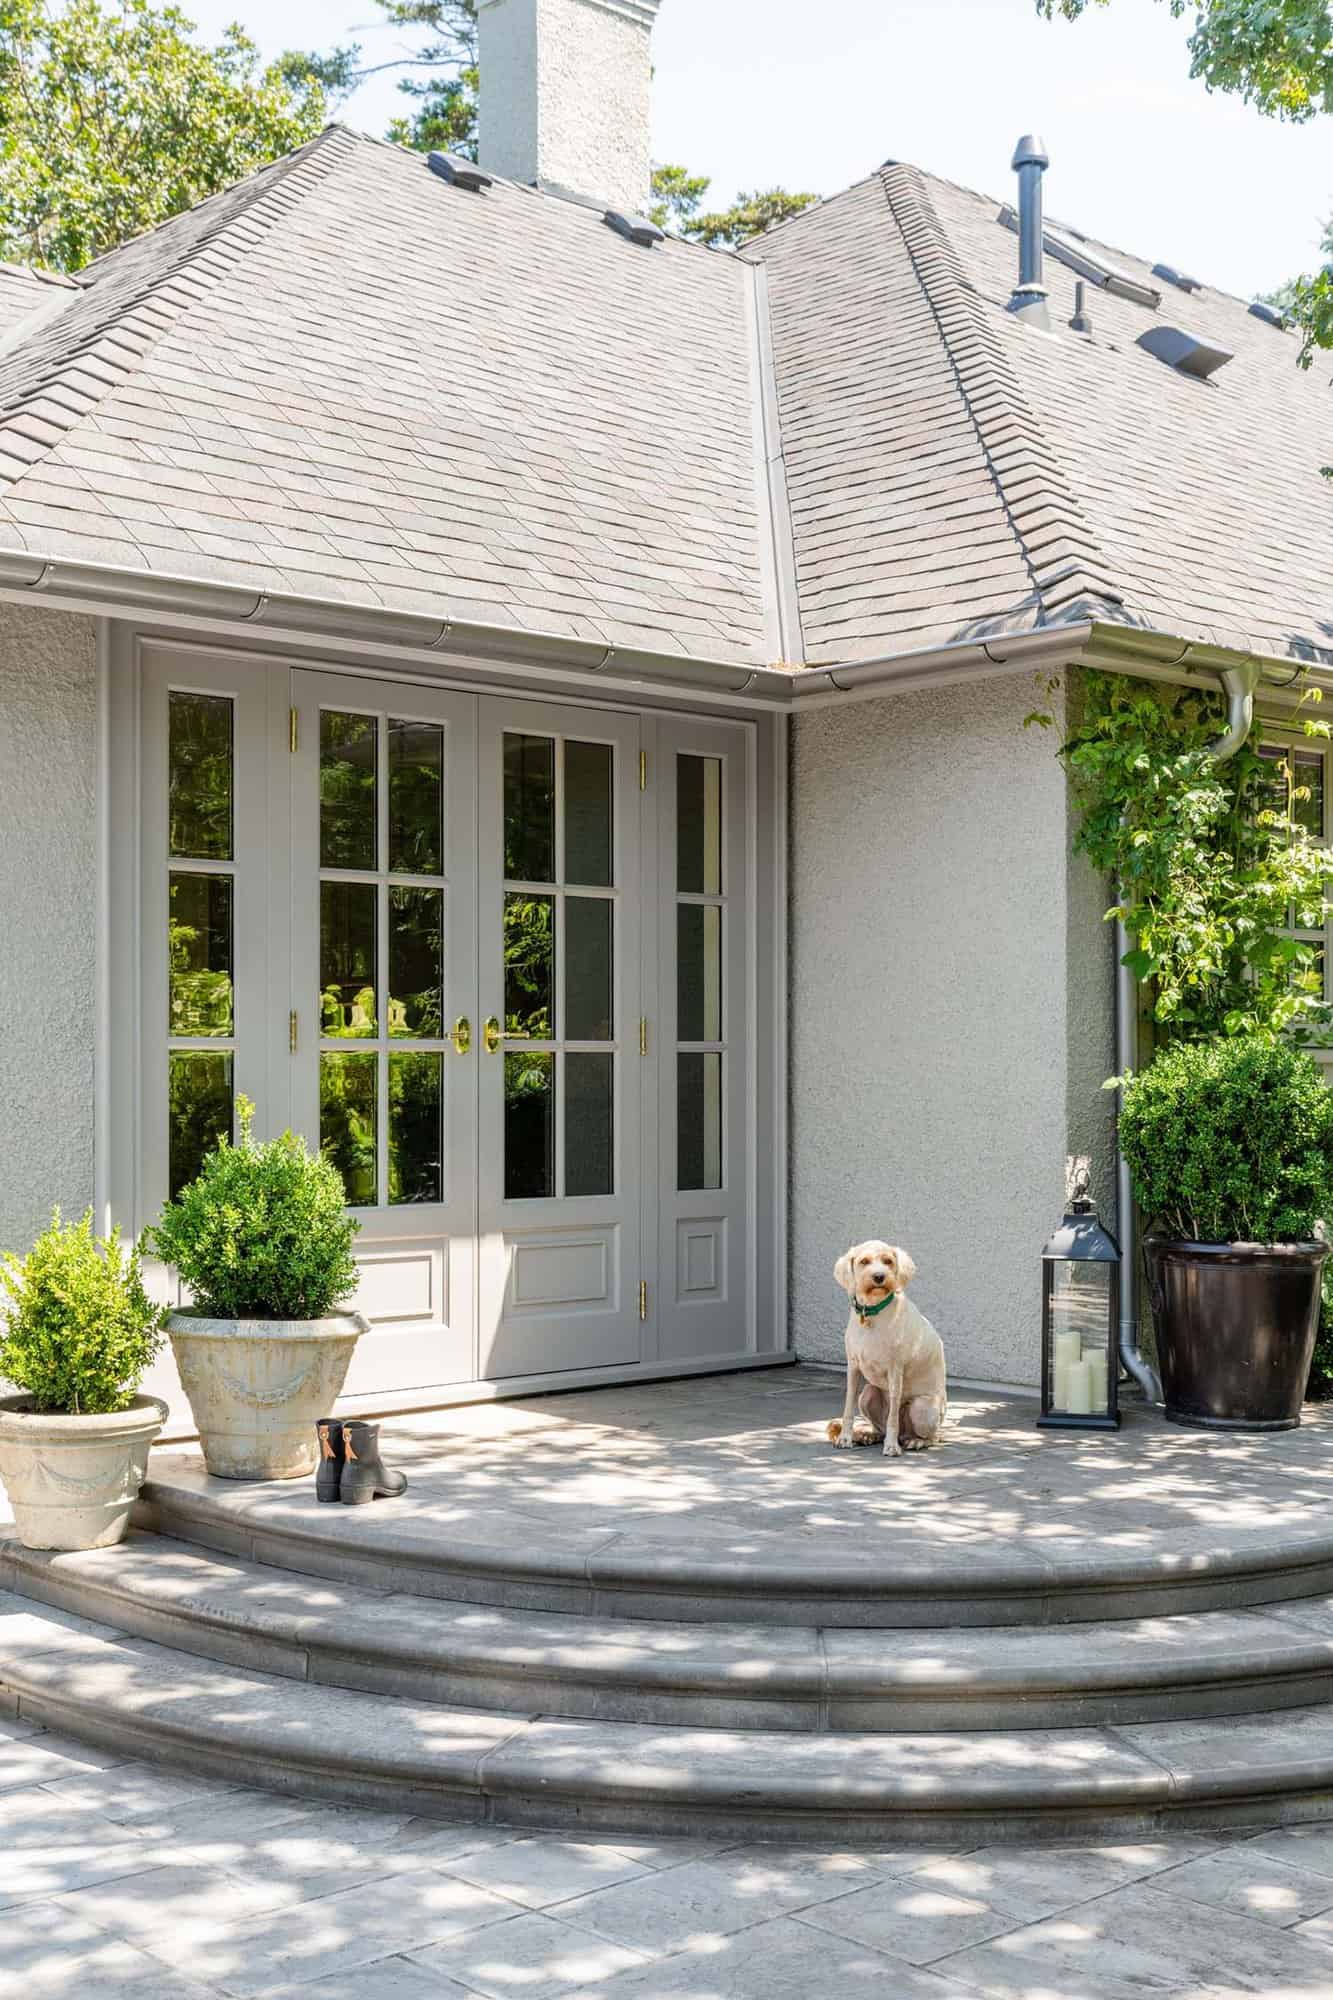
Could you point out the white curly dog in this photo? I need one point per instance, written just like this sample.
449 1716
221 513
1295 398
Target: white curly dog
895 1358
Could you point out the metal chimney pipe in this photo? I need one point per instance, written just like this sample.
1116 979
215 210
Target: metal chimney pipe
1030 162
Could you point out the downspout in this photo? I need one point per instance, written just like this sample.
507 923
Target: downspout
1238 684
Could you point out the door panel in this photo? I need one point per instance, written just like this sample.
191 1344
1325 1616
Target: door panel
702 897
559 1083
384 967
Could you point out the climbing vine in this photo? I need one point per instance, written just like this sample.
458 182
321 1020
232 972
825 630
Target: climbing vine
1213 863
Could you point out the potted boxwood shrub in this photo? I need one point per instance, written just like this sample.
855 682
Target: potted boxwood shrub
77 1332
1230 1145
262 1239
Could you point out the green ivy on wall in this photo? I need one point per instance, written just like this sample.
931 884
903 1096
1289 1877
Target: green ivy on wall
1212 864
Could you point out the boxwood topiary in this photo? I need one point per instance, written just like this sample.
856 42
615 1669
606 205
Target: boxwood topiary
262 1232
1231 1141
80 1329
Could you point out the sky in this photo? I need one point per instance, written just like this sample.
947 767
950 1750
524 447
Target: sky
814 94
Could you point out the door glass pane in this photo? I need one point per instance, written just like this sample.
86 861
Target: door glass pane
347 790
699 826
589 1095
416 963
529 808
199 1110
347 958
529 946
588 814
529 1126
200 941
698 972
416 798
1307 779
199 763
348 1092
416 1152
698 1121
588 932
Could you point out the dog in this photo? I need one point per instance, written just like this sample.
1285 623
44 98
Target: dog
895 1358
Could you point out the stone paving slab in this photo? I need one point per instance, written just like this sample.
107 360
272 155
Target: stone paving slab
265 1907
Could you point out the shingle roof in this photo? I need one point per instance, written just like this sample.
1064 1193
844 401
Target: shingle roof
955 473
344 379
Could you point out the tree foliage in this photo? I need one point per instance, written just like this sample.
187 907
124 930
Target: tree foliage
1231 1142
80 1329
113 118
1213 864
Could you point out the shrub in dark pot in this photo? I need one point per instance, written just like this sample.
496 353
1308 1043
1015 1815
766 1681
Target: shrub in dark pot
1230 1145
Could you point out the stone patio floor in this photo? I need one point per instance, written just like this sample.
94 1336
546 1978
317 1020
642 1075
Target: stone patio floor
119 1879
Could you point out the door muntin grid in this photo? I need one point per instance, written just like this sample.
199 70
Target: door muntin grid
701 999
200 1004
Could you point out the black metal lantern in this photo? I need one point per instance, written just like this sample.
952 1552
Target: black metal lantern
1080 1319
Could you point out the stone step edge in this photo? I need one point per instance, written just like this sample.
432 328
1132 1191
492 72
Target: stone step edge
251 1729
612 1581
1288 1665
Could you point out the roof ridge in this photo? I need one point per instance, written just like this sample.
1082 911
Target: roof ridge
47 387
1054 537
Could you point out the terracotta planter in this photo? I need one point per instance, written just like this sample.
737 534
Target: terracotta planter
1236 1326
257 1387
72 1480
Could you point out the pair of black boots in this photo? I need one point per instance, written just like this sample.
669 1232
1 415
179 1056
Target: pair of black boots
350 1466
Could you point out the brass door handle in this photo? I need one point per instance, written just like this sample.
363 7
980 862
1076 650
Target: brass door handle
490 1035
462 1035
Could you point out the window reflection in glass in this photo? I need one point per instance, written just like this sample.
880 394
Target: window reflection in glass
416 798
588 960
416 963
529 808
529 1126
199 764
348 1094
529 956
699 825
347 958
199 1110
698 1121
347 790
200 954
416 1133
588 814
589 1097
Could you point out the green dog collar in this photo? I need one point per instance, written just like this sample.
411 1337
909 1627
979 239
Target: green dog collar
864 1313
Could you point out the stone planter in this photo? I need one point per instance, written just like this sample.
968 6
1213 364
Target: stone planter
72 1480
257 1387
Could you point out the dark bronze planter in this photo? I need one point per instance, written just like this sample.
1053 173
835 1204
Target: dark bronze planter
1236 1326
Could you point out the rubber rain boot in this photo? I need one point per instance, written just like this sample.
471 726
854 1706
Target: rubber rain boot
329 1471
365 1475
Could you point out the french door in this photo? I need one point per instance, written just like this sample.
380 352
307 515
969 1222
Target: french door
489 954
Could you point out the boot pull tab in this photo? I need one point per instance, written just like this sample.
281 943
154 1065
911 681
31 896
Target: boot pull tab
347 1446
324 1440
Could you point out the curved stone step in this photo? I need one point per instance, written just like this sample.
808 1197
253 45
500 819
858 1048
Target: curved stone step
788 1580
256 1729
718 1676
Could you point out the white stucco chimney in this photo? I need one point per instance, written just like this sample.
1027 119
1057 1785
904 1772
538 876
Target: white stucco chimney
566 91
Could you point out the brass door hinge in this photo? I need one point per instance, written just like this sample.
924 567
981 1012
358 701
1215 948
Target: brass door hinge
643 1298
292 1031
643 1034
643 770
291 730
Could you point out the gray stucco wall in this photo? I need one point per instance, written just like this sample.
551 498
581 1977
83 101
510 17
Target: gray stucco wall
951 1011
48 883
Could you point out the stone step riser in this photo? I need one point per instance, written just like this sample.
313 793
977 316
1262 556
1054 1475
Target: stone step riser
611 1589
820 1700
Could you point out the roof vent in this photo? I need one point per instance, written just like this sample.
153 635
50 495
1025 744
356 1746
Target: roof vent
636 227
1184 352
1080 323
1273 314
1030 162
459 173
1180 279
